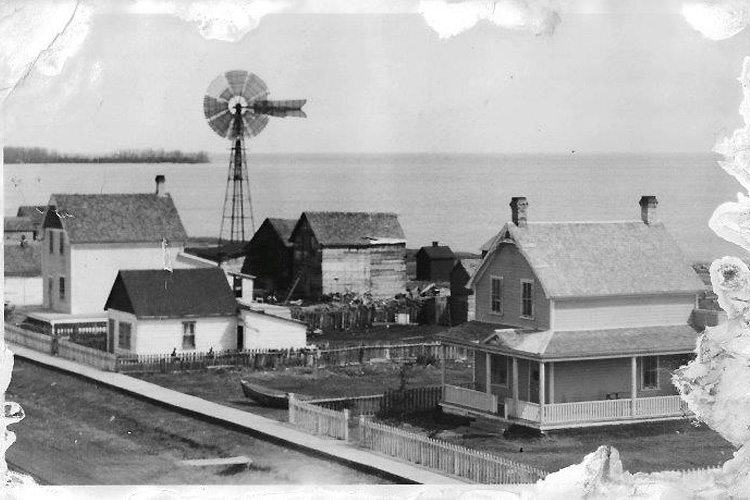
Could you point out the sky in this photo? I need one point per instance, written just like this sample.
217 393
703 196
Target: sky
619 79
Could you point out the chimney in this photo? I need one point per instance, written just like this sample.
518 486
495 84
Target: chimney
434 243
160 185
519 210
648 209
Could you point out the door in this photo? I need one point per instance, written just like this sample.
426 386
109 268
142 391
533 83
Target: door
240 337
533 384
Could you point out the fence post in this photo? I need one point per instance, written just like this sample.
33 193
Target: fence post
292 408
346 425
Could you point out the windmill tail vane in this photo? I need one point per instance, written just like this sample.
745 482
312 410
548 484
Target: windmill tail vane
236 106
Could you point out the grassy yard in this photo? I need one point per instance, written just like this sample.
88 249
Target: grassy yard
223 386
646 447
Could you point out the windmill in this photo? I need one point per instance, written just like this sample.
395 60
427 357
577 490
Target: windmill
235 106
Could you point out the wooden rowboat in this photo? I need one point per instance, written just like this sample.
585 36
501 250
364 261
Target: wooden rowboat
264 395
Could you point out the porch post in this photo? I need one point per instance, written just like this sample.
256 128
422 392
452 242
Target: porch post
488 372
542 387
633 385
515 385
442 369
551 382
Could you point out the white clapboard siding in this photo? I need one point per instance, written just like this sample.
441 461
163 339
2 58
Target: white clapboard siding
21 291
622 312
264 331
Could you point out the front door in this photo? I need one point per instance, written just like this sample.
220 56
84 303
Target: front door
533 384
240 337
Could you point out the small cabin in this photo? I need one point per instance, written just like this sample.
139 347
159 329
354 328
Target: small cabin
435 263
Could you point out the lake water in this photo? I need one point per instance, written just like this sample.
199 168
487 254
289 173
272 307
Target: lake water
459 200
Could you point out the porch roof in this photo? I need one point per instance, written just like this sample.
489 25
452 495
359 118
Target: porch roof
552 345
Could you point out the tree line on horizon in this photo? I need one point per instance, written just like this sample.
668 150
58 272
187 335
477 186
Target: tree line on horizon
13 154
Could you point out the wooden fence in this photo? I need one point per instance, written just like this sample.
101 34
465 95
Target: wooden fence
33 340
60 347
391 402
477 466
318 420
353 317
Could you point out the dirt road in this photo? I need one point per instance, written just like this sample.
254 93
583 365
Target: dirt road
77 432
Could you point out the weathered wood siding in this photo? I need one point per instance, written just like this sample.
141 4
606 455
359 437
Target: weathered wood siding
622 312
345 269
387 269
22 291
161 336
93 268
268 332
269 260
308 262
513 267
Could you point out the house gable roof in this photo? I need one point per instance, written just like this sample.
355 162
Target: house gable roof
20 224
587 259
23 261
35 212
181 293
116 218
353 229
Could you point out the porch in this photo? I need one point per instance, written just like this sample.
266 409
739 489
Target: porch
561 415
556 394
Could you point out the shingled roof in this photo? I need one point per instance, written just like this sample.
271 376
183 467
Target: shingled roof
35 212
438 252
548 344
284 228
19 224
353 229
181 293
23 260
116 218
584 259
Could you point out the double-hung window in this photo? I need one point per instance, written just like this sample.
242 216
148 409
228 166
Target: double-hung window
123 341
497 294
188 335
51 241
650 372
527 298
62 288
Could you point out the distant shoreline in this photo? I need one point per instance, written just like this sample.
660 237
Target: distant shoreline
20 155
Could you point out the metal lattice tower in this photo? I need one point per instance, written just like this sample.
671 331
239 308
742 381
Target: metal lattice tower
235 106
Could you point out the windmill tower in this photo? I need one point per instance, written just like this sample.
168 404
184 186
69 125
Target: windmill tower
236 107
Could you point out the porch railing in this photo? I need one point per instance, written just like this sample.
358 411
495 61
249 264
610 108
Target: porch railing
586 410
660 406
470 398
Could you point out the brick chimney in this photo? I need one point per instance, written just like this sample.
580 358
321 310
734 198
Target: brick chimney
519 208
434 243
648 209
160 180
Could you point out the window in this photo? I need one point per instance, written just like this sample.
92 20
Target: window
51 241
124 338
497 294
62 288
650 372
237 286
499 369
527 299
188 335
50 289
62 243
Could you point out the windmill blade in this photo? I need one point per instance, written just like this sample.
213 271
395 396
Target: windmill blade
281 109
236 80
254 124
222 123
254 88
213 106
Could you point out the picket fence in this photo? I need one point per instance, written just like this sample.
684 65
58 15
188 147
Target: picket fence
474 465
318 420
352 317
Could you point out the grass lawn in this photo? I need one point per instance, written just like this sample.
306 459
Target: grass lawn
381 334
223 386
647 447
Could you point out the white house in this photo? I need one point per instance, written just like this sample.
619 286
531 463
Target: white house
23 274
156 311
88 238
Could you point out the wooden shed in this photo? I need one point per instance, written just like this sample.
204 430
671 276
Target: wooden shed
269 256
435 263
339 252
